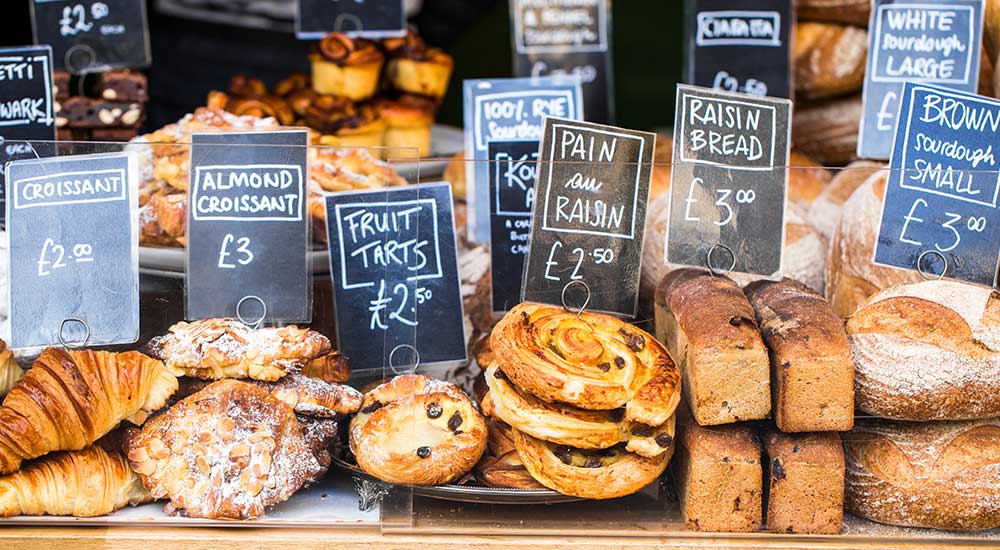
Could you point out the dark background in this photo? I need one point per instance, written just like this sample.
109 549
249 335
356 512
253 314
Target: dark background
190 58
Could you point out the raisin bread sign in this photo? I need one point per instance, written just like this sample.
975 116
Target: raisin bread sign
589 219
935 43
393 259
940 211
728 181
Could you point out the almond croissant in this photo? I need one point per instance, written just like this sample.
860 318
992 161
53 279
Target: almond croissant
69 399
86 483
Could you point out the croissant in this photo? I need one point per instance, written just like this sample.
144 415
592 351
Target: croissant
69 399
10 371
87 483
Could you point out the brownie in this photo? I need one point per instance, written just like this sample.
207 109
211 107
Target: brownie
60 84
806 483
114 134
84 112
121 86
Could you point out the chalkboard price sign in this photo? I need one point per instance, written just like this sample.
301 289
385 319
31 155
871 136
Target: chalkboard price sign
915 41
587 228
25 106
247 229
940 212
357 18
559 37
74 240
736 47
394 264
729 175
505 110
513 172
93 35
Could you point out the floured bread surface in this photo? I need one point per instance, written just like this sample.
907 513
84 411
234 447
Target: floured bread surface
942 475
928 351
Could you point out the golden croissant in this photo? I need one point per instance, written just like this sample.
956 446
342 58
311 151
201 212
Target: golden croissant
69 399
86 483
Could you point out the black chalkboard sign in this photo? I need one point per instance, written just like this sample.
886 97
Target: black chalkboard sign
728 181
247 229
393 260
365 18
73 228
940 211
588 223
25 106
558 37
513 172
93 35
739 46
915 41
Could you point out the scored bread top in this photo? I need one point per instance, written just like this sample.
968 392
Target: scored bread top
711 310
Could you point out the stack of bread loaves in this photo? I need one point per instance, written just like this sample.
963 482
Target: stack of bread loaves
773 349
586 400
928 365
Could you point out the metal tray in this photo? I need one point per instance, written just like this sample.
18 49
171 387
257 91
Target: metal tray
457 493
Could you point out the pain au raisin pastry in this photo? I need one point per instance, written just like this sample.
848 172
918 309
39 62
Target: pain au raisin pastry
345 67
226 452
69 399
85 483
501 465
594 474
225 348
416 68
567 425
415 430
591 361
306 395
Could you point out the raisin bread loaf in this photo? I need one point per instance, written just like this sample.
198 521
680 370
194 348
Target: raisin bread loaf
806 483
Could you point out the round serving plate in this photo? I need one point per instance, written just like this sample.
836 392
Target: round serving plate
471 493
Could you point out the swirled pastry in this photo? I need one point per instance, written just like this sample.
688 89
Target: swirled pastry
606 473
592 361
415 430
226 452
225 348
501 466
568 425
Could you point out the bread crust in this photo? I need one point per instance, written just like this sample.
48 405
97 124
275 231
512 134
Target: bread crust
710 327
806 483
942 475
812 372
829 59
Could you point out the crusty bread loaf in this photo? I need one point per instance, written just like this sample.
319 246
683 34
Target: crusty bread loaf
851 274
708 325
829 59
928 351
824 212
943 475
719 477
855 12
812 374
806 180
806 483
828 131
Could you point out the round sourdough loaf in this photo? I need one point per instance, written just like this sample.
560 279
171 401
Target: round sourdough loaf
851 275
824 213
942 475
928 351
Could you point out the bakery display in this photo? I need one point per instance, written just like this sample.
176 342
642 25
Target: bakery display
719 477
812 371
226 348
928 351
85 483
714 342
226 452
69 399
942 475
415 430
805 483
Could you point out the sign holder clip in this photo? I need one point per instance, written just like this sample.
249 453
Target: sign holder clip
585 302
256 323
73 345
711 267
920 265
408 370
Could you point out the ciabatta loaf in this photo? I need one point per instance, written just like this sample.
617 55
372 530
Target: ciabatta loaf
942 475
928 351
